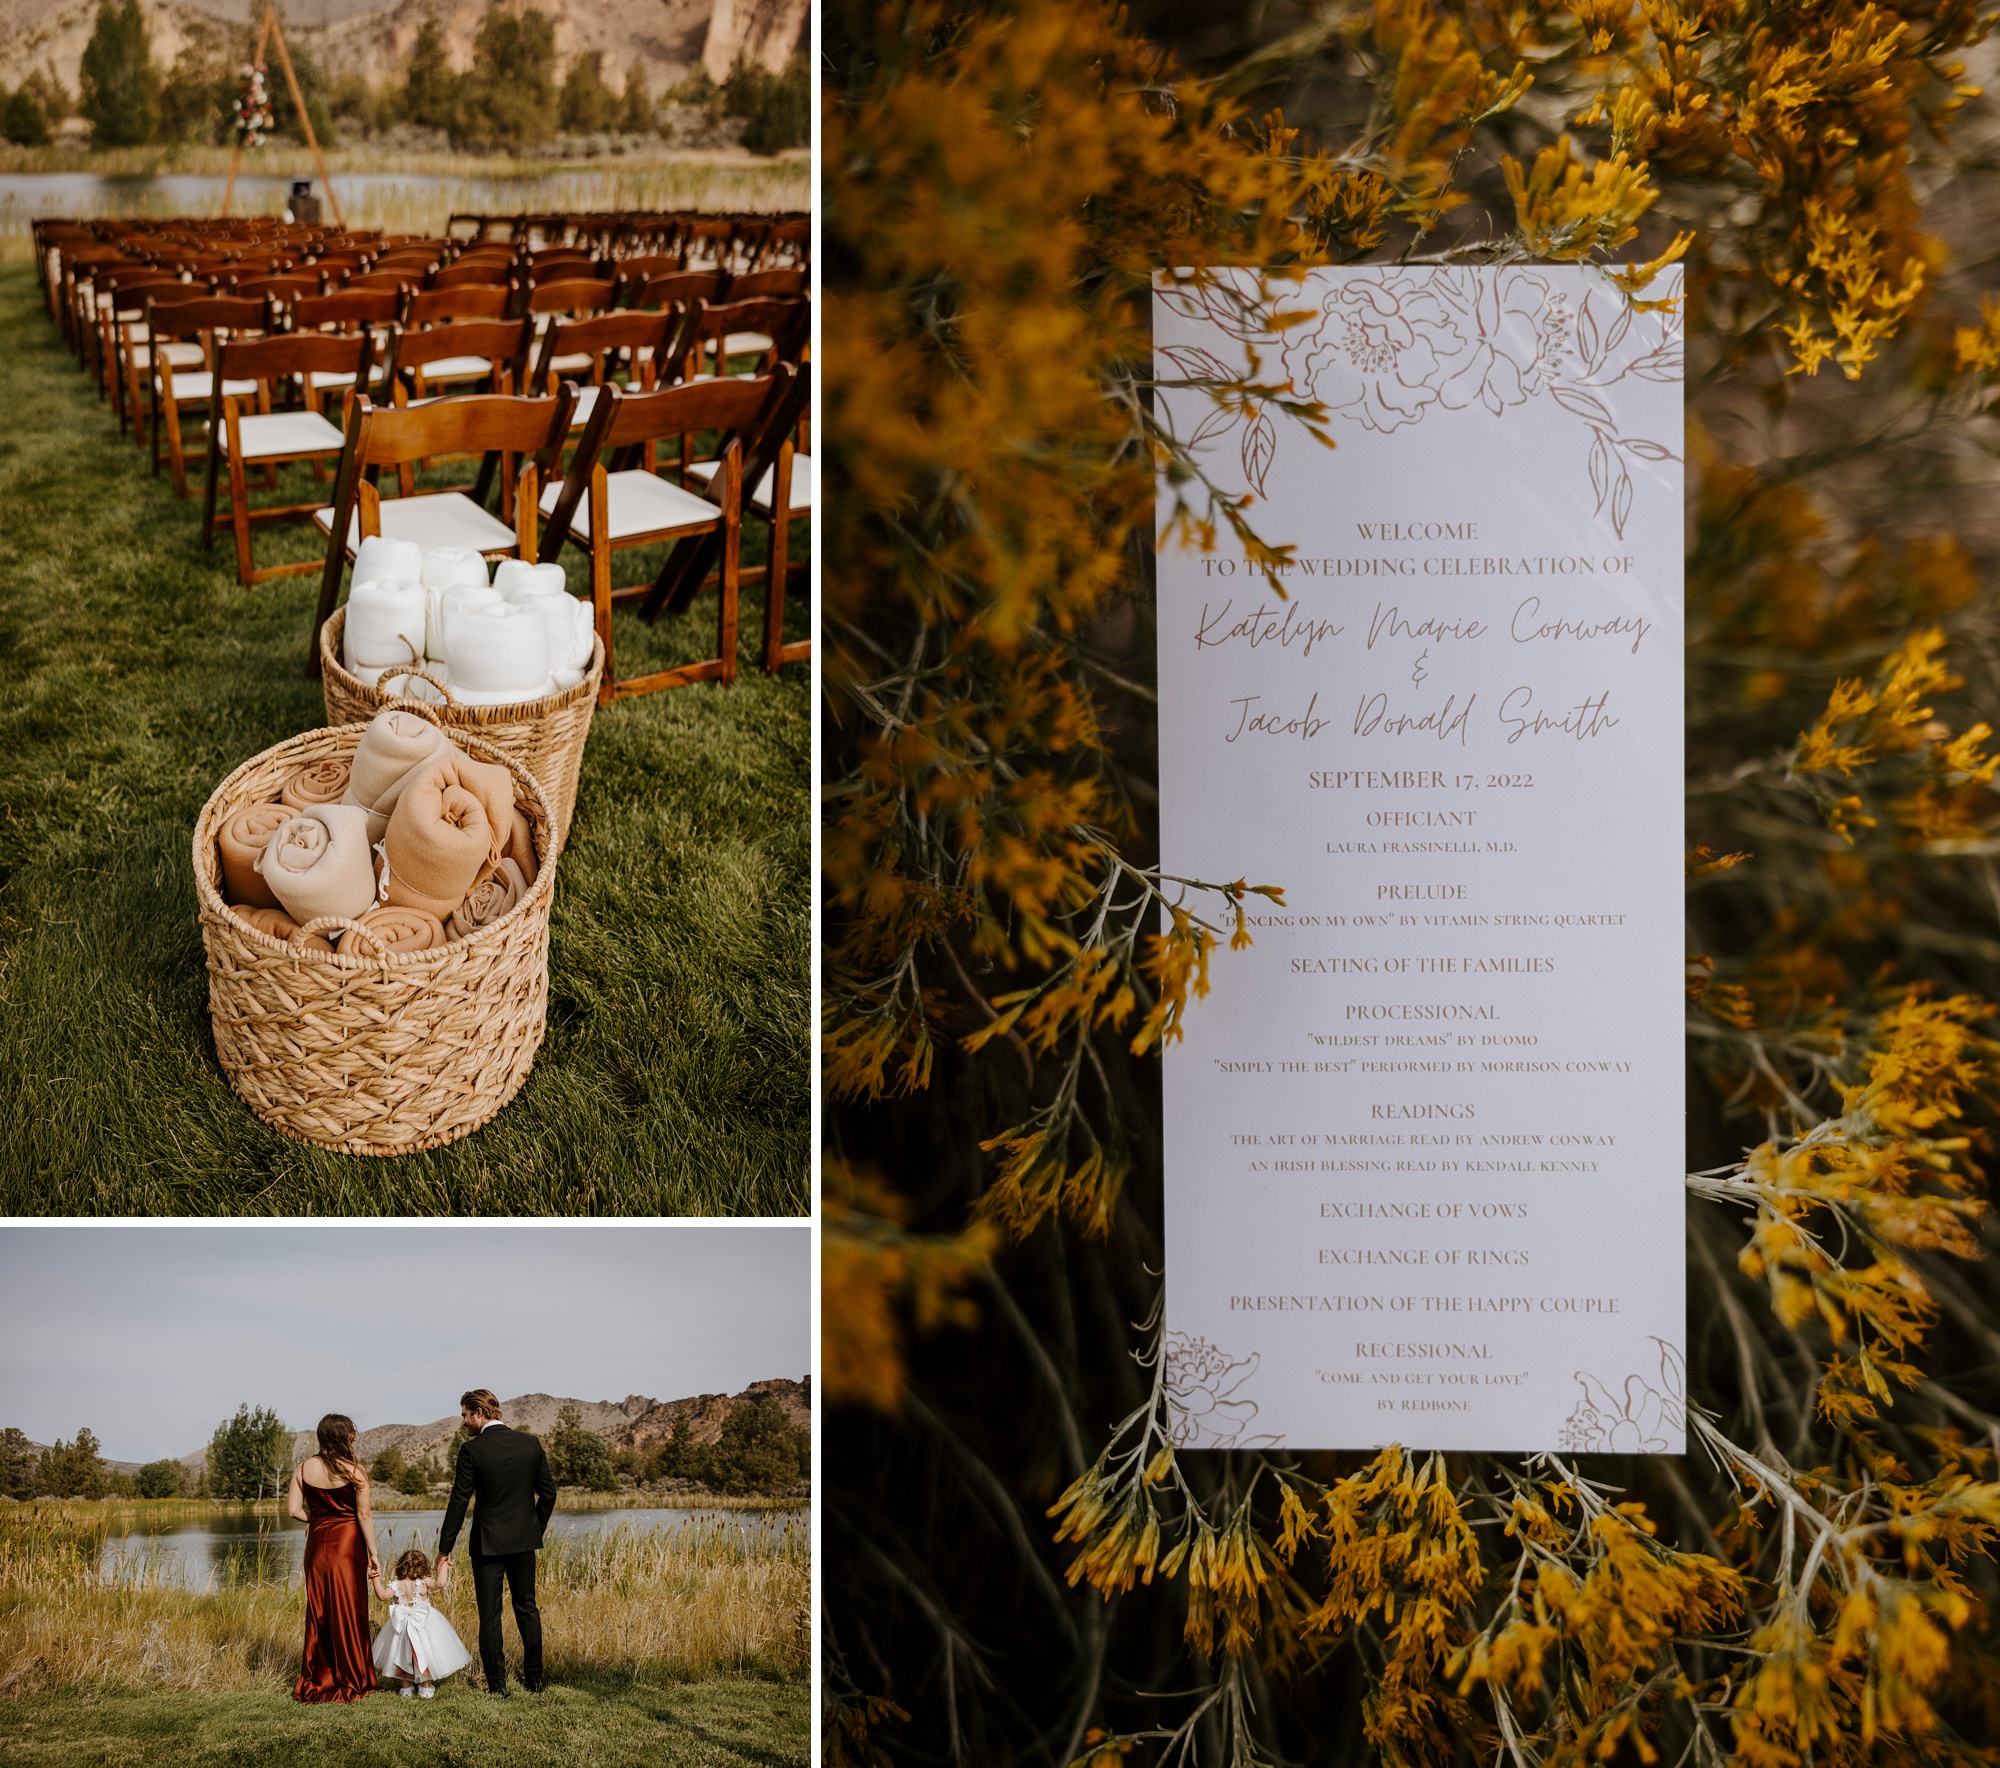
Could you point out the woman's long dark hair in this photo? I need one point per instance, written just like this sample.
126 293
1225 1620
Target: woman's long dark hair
336 1445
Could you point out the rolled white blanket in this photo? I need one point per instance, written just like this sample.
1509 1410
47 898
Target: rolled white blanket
447 567
381 559
516 578
568 625
385 624
497 655
497 891
455 599
320 863
398 681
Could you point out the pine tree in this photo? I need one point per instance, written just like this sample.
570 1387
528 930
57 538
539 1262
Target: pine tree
25 123
509 98
636 115
17 1464
120 84
579 1456
587 105
430 89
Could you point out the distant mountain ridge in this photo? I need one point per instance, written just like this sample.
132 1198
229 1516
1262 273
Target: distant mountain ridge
635 1422
667 39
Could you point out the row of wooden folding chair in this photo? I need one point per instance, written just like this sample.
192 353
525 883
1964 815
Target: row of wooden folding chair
605 511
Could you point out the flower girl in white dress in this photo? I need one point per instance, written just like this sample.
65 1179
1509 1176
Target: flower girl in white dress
416 1644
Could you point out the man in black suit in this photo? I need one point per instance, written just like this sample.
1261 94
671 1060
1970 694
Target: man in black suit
509 1475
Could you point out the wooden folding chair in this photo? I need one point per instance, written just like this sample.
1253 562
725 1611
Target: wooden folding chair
445 356
674 289
122 308
424 307
596 345
630 273
282 289
786 485
771 330
347 313
491 350
268 439
496 272
478 423
788 242
611 511
775 330
203 320
767 285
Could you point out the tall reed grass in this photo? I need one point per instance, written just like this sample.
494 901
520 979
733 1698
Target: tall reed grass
636 1603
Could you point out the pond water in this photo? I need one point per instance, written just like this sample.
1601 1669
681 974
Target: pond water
225 1548
409 201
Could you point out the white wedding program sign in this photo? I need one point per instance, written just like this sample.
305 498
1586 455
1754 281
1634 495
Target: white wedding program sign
1424 1145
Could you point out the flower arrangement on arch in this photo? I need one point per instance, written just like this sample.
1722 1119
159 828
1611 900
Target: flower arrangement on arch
251 115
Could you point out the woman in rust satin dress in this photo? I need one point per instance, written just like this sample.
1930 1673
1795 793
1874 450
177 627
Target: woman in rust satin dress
339 1661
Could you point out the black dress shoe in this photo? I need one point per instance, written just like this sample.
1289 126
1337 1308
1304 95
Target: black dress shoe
533 1687
498 1693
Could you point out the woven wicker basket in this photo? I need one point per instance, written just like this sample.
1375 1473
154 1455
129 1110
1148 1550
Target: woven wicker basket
546 736
389 1053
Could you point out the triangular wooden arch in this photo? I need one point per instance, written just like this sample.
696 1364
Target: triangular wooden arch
274 33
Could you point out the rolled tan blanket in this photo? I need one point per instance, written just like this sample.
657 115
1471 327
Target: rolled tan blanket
239 844
495 892
440 836
320 863
397 928
521 846
391 748
321 783
281 926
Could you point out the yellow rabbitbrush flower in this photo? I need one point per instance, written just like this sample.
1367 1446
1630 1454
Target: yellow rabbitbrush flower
873 1270
1567 210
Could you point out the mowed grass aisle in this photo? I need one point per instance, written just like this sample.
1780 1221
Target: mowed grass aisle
135 672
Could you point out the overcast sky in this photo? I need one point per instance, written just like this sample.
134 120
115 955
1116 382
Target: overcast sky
151 1334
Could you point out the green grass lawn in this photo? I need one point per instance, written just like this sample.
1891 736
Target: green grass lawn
718 1723
135 672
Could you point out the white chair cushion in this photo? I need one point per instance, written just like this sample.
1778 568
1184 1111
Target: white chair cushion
269 434
802 483
322 377
188 388
456 368
745 343
586 398
577 362
440 518
641 503
177 356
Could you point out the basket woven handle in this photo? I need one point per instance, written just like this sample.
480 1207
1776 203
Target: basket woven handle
450 699
320 923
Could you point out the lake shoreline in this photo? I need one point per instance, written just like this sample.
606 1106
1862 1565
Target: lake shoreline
571 1498
196 160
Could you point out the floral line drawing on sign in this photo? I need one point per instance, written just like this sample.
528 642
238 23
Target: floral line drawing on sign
1202 1382
1386 348
1633 1418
